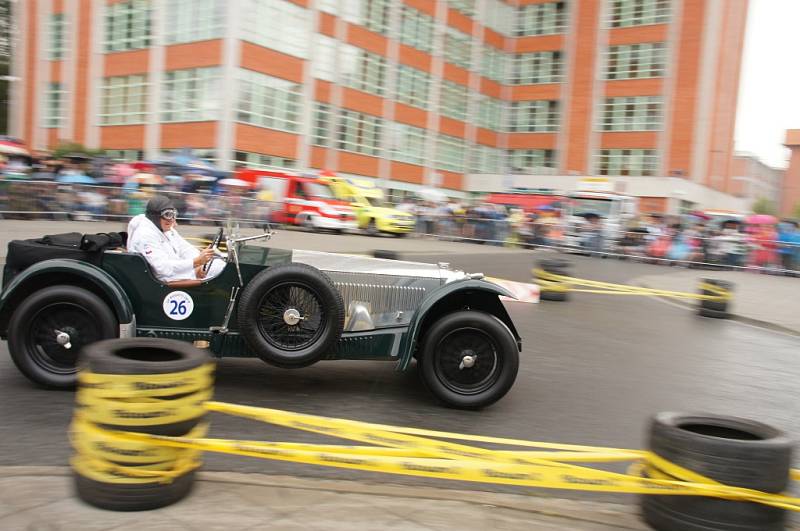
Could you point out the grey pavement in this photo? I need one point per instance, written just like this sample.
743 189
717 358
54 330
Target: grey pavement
40 498
767 300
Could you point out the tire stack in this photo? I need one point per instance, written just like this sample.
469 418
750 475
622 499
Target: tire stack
150 386
550 290
718 306
729 450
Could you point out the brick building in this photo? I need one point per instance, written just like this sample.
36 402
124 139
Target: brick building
471 95
790 194
752 179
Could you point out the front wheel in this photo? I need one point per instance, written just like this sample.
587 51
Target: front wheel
469 360
51 326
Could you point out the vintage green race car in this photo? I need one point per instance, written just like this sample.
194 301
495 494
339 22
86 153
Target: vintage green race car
290 308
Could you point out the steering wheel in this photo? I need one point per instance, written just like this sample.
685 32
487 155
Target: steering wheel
215 248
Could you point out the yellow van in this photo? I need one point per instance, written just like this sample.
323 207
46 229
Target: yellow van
368 202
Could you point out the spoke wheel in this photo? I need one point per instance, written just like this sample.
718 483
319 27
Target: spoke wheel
291 316
467 361
50 327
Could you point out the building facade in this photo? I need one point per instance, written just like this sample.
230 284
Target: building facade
752 180
790 193
470 95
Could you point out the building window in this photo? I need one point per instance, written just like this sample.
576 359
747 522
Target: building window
128 25
56 36
362 70
407 143
534 116
267 101
634 61
453 100
637 113
372 14
322 120
457 48
359 132
194 20
416 29
262 162
124 100
638 162
639 12
450 153
125 154
537 67
467 7
324 64
490 113
277 24
191 95
485 159
541 19
413 86
55 102
532 161
498 16
493 64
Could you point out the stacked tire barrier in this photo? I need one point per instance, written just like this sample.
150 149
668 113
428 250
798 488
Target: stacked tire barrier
719 295
729 450
551 290
152 386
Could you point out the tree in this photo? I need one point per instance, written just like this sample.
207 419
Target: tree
762 205
66 148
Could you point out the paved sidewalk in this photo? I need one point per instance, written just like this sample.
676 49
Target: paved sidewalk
764 300
41 498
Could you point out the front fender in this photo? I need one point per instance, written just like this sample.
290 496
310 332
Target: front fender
480 294
64 271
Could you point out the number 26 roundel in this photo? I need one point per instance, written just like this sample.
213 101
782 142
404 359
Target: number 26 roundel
178 305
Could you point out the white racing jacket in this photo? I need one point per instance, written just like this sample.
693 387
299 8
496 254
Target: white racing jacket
169 255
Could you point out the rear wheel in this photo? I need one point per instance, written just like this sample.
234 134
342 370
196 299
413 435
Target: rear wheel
51 326
469 359
372 230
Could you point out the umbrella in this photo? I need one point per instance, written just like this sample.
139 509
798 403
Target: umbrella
761 219
75 178
434 195
77 157
12 148
148 179
234 183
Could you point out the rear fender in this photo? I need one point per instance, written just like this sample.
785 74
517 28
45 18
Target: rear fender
70 272
473 294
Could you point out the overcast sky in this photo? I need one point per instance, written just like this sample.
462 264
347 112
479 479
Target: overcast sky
769 93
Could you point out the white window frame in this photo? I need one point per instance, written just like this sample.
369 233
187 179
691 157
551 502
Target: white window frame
537 68
627 162
535 116
124 100
458 48
262 161
362 70
407 143
54 102
636 61
632 113
531 161
194 20
453 100
267 101
624 13
413 86
191 95
541 19
57 34
135 15
279 25
451 153
416 29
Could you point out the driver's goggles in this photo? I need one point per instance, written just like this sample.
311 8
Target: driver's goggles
169 213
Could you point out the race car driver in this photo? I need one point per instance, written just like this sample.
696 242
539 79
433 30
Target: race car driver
171 257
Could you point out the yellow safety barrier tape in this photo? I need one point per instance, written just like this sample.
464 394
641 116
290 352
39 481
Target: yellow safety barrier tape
390 449
553 282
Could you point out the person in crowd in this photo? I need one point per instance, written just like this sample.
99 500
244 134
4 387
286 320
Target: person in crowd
763 242
171 257
789 246
731 245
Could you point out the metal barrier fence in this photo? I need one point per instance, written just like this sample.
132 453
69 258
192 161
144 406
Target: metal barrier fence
23 199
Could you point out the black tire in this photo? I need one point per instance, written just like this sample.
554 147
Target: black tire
556 266
32 344
371 229
132 497
548 295
308 291
386 254
456 335
715 314
730 450
143 355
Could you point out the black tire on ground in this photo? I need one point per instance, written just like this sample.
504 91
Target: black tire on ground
141 355
386 254
32 339
547 295
715 314
132 497
291 315
400 234
469 333
371 229
730 450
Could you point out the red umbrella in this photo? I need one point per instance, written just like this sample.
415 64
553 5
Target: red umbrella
760 219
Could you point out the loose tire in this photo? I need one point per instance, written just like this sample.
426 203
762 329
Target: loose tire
291 315
469 359
714 314
36 325
730 450
147 356
132 497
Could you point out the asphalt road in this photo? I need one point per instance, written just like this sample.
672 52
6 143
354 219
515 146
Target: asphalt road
593 370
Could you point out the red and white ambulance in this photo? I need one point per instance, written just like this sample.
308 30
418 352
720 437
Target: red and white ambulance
302 200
